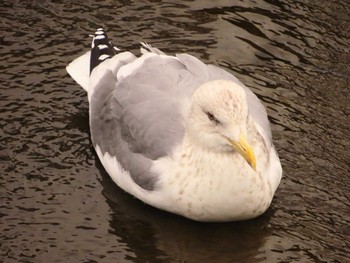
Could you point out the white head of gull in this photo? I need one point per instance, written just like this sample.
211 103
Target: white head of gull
218 119
180 135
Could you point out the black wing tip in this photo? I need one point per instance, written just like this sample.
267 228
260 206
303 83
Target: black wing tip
101 48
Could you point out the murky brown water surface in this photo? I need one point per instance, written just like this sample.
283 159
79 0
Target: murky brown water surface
57 204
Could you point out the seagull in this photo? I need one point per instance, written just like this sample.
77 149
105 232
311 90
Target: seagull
178 134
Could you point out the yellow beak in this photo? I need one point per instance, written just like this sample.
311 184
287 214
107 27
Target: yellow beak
244 148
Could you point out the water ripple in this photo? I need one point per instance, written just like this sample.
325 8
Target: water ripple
58 202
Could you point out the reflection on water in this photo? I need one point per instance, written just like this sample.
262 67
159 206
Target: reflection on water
58 203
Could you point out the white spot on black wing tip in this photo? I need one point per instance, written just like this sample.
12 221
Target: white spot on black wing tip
102 46
99 37
103 57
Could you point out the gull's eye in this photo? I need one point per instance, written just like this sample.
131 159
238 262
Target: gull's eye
212 118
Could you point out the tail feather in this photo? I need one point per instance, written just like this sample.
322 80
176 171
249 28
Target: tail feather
101 49
79 70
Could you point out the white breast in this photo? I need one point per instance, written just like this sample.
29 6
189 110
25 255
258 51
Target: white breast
207 186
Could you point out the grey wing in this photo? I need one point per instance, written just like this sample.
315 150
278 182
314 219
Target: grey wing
152 122
138 118
105 130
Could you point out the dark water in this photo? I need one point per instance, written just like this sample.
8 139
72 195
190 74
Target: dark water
57 204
